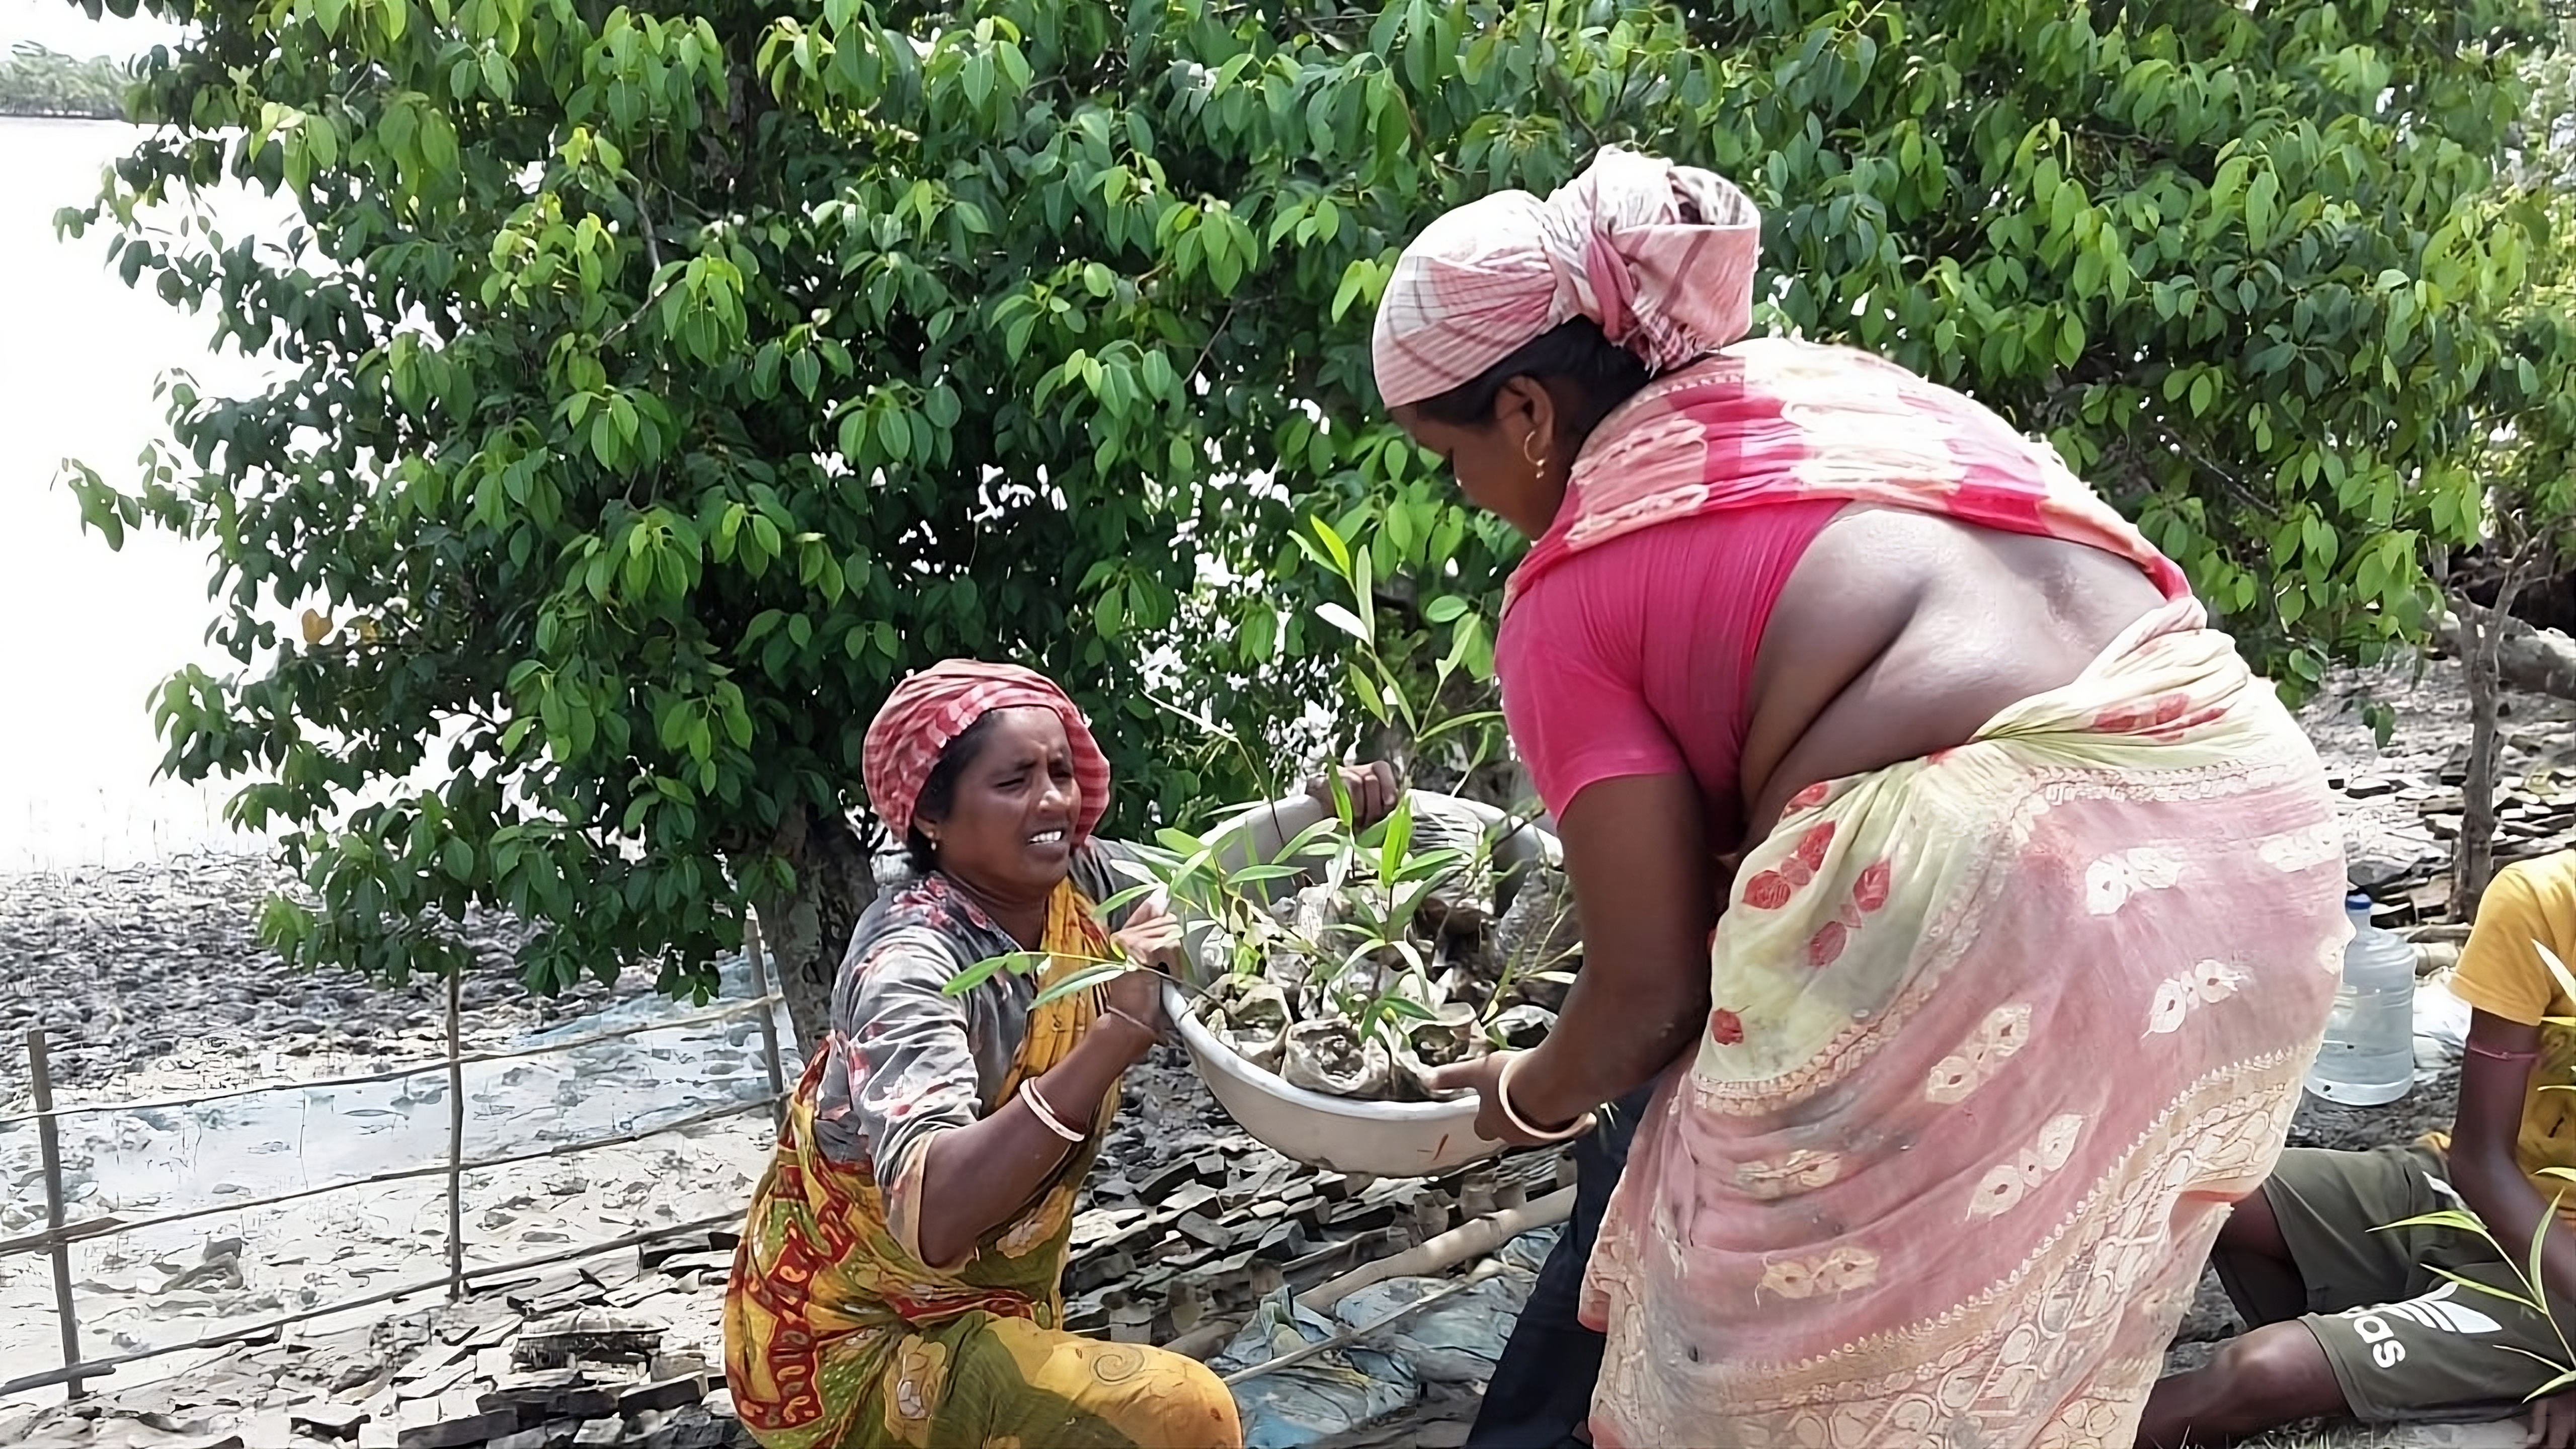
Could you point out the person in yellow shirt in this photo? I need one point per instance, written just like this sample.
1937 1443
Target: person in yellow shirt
2353 1316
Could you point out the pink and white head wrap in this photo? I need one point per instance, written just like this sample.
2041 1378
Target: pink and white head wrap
935 706
1660 255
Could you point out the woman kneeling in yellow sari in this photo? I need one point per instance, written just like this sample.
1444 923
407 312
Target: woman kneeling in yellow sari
898 1282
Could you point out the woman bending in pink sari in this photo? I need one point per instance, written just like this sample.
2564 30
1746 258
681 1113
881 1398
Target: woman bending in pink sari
2036 904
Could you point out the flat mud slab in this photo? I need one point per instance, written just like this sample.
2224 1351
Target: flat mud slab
622 1351
158 966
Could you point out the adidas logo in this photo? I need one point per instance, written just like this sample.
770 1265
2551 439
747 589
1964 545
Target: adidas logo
2436 1310
2433 1310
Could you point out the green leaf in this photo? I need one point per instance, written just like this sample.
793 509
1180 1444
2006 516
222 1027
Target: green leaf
2501 1294
1343 619
2557 969
2449 1218
1398 839
1018 963
1334 548
2565 1379
1317 838
1365 690
1077 982
1120 900
1262 874
1404 1007
2532 1277
2262 207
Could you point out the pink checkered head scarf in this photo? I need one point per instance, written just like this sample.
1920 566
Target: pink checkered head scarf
1661 256
935 706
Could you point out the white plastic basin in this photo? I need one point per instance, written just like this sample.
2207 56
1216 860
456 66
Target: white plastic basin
1344 1134
1368 1139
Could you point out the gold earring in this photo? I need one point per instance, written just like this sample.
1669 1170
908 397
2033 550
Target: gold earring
1537 459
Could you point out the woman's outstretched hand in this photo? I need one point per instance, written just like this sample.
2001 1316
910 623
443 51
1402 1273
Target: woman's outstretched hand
1152 939
1152 935
1372 787
1483 1076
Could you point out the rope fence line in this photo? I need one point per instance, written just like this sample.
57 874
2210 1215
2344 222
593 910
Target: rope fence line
72 1232
99 1368
59 1234
768 1001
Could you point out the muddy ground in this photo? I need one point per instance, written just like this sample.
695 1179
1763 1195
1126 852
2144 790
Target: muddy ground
149 980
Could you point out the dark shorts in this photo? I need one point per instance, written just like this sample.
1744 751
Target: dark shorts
2420 1322
1541 1393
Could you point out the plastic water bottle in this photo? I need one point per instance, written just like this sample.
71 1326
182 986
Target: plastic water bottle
2369 1052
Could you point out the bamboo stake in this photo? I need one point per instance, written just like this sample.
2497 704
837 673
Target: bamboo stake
751 945
1433 1255
49 1143
455 1136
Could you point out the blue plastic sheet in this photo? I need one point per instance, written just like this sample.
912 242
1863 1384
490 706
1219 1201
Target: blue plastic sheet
1331 1393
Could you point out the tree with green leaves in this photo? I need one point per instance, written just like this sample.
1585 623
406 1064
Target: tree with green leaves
2529 468
2543 149
665 380
35 81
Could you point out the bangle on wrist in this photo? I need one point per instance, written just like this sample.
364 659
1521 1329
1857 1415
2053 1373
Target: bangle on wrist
1503 1099
1045 1114
1132 1019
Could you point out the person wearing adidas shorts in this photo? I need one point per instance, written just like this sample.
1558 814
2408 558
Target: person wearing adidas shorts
2355 1316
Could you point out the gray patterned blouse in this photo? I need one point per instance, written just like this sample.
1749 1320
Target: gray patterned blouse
907 1060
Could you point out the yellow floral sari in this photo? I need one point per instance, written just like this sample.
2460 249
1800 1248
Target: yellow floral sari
837 1338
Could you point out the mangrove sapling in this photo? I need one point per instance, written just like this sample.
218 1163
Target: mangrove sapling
1350 960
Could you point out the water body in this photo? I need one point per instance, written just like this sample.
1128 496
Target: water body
87 634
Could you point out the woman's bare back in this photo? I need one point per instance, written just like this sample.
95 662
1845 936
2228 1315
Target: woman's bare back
1901 633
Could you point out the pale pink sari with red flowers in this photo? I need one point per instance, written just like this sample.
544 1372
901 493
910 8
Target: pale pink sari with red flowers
1999 1033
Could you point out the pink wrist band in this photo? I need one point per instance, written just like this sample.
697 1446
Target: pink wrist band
2492 1054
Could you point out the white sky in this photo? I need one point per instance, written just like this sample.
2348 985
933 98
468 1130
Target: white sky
60 25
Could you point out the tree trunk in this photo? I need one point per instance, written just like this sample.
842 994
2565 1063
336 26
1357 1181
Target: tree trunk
2542 661
2484 636
808 929
2480 635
